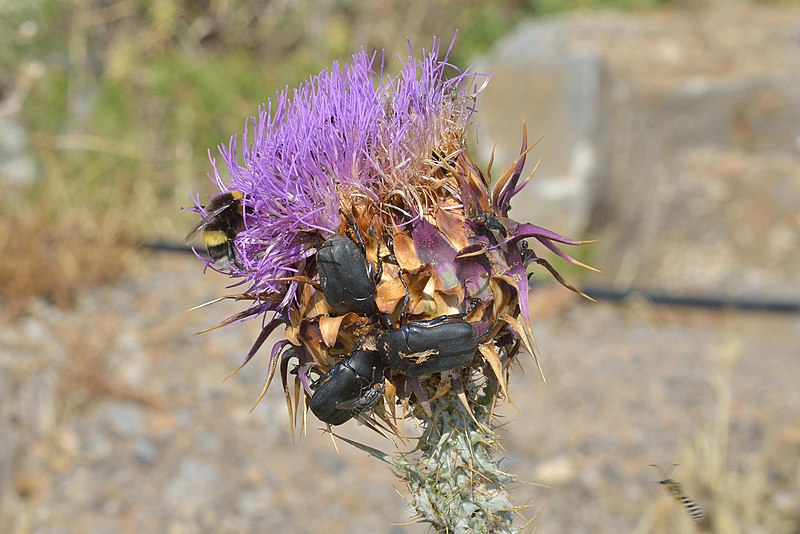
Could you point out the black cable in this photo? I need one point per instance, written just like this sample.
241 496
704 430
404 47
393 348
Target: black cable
607 293
163 246
706 301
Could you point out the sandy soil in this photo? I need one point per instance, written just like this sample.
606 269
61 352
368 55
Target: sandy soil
140 434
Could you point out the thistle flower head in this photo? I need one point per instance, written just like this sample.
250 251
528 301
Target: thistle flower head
381 159
349 134
423 242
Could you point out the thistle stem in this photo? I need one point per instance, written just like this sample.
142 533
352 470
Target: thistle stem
453 478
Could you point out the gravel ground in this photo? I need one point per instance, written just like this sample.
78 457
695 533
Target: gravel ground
117 418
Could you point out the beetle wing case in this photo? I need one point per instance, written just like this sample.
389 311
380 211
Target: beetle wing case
344 277
349 381
342 385
368 365
417 349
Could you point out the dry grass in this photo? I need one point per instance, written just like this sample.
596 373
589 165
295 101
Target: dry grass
53 264
61 237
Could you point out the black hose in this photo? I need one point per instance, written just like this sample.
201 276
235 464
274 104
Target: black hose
705 301
608 293
180 248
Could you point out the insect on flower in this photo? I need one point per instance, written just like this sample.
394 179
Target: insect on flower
345 275
420 348
353 386
223 221
675 489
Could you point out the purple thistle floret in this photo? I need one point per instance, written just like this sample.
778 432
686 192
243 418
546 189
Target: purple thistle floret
349 131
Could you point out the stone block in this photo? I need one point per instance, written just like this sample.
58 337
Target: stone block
558 93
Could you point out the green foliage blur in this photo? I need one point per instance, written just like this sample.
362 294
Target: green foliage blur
132 94
118 102
544 7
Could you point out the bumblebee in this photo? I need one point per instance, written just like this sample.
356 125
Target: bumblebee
675 489
221 225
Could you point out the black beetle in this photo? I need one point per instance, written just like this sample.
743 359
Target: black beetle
352 386
347 278
427 347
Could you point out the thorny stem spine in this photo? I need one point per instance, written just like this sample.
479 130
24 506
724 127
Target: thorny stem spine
455 482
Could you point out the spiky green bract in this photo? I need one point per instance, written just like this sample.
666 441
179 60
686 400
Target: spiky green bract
454 479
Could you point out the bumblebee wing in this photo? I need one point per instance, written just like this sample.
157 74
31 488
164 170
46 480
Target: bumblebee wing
194 230
207 219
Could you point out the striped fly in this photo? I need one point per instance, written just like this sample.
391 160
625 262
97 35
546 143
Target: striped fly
676 491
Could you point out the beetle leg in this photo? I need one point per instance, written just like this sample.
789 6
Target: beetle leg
379 274
472 307
376 277
323 378
405 299
354 226
390 246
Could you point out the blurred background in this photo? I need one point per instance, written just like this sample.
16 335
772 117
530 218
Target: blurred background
670 130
